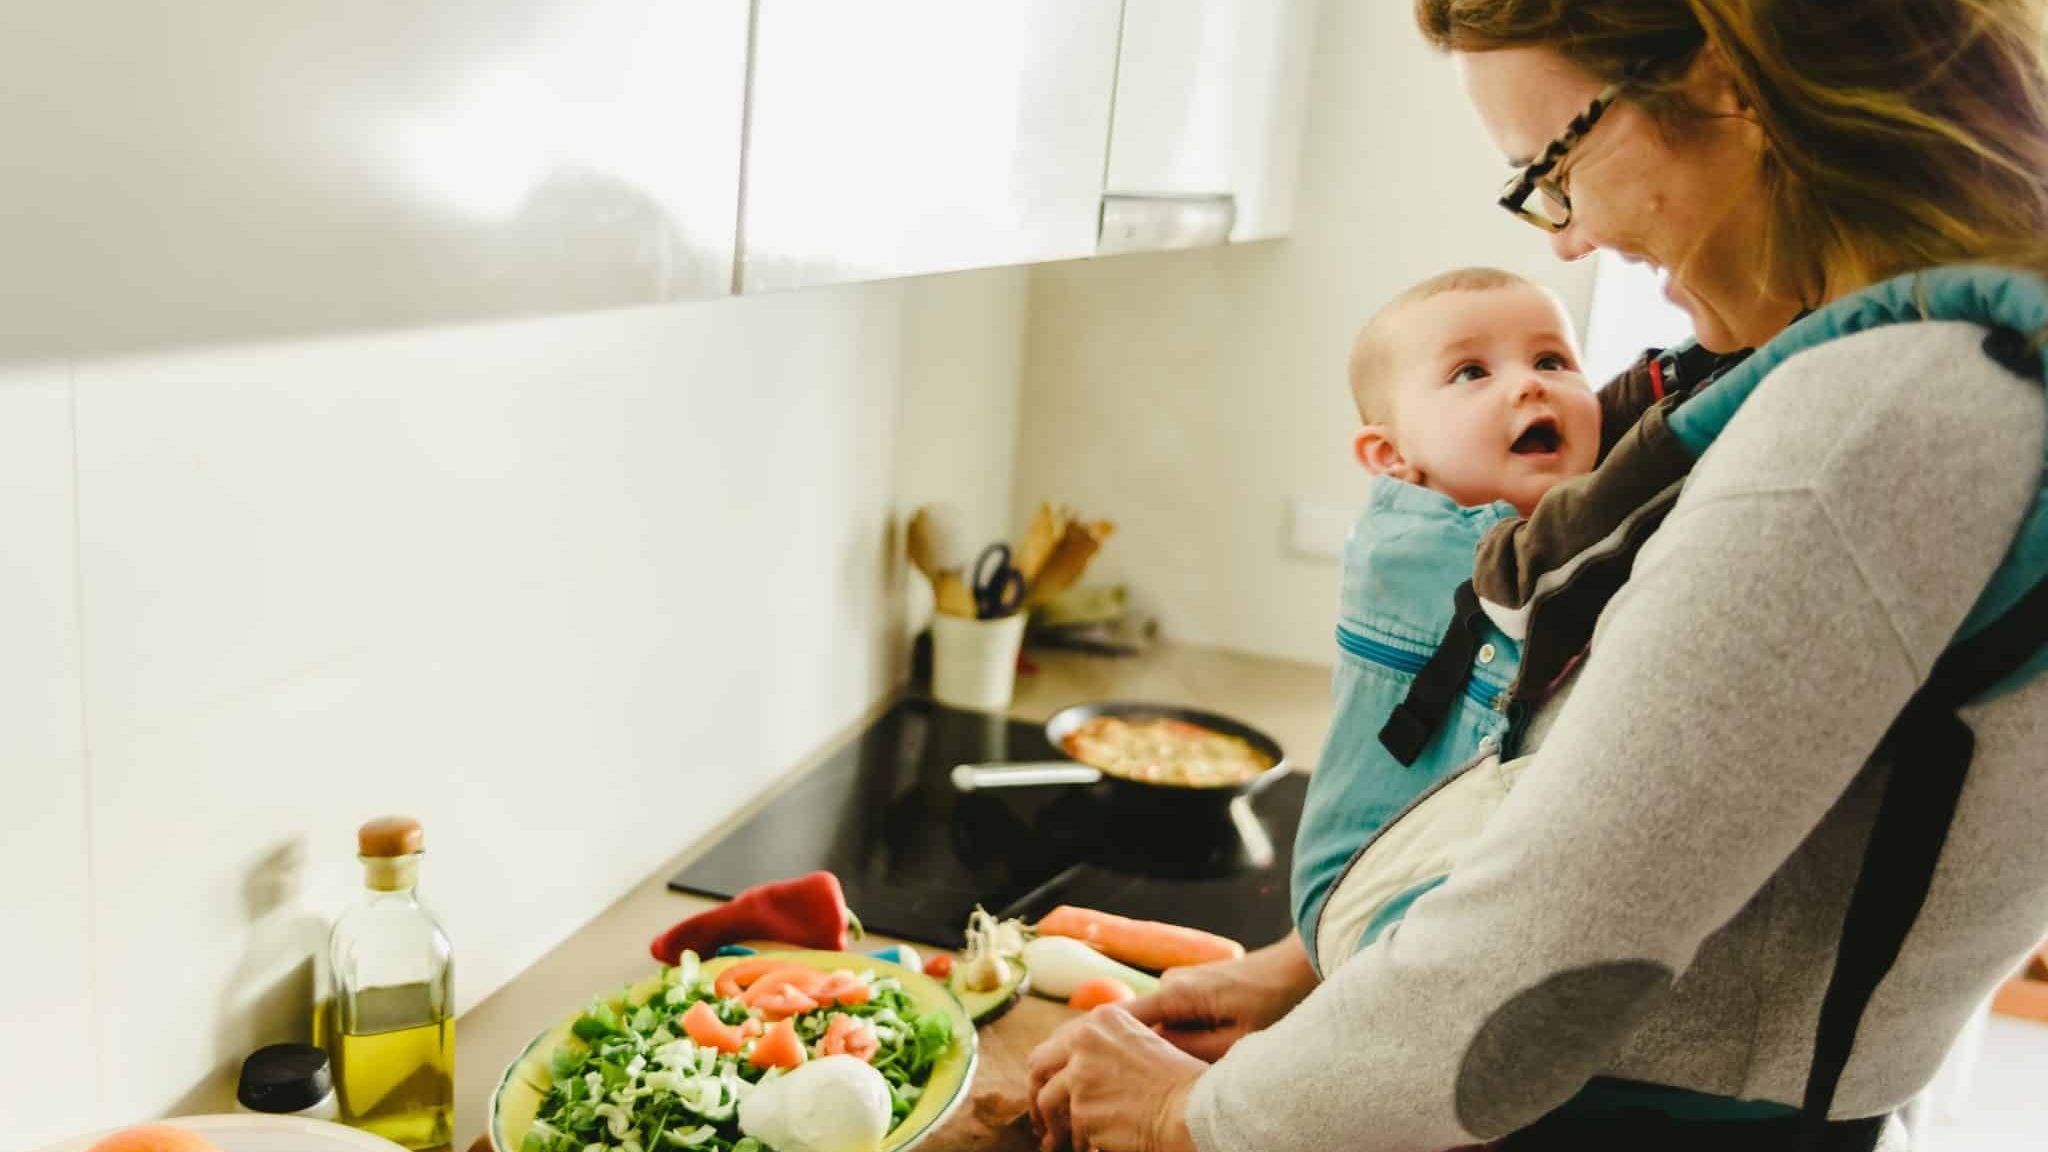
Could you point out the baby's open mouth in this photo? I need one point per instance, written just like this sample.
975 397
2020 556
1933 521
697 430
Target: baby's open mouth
1539 438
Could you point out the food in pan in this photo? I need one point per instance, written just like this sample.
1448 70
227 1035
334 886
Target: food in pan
1162 750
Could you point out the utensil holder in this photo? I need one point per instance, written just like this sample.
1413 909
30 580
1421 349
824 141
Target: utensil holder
974 662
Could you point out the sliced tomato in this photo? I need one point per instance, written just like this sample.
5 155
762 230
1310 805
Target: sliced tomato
729 982
702 1025
939 965
783 1003
845 988
801 977
778 1048
850 1036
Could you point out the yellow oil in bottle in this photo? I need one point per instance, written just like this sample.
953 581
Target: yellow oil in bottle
394 1065
389 1025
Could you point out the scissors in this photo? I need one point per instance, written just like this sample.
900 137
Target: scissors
998 586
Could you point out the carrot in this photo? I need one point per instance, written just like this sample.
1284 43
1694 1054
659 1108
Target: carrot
1145 943
703 1026
850 1036
1094 993
779 1048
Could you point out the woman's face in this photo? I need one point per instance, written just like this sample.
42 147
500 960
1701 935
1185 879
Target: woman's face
1685 199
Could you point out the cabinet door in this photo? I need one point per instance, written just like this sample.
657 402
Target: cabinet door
237 169
1175 91
893 137
1211 98
1269 109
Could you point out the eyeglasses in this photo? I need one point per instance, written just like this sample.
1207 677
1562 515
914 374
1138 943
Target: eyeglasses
1535 194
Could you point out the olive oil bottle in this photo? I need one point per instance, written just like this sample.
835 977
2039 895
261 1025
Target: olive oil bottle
389 1026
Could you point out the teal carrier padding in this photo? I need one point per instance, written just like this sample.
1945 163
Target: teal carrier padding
2012 305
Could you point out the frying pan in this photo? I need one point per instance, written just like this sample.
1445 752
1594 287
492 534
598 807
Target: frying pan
975 777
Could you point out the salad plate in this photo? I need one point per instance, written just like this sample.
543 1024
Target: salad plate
911 1014
255 1133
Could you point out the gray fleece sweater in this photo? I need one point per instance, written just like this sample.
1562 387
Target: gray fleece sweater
1660 897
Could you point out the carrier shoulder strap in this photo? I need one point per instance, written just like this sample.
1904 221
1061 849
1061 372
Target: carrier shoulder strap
1435 689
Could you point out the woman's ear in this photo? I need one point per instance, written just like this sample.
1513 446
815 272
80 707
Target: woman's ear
1375 448
1712 87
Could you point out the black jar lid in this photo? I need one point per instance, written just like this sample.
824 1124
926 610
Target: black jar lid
284 1078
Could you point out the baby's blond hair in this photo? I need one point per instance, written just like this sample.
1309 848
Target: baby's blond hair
1371 356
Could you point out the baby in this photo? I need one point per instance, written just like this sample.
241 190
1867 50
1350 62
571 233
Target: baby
1472 408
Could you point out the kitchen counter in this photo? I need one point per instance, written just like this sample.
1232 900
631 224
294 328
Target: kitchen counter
1290 700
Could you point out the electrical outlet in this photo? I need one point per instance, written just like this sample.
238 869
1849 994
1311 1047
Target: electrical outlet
1318 530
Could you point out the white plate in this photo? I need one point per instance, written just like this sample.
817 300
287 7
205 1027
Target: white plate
252 1133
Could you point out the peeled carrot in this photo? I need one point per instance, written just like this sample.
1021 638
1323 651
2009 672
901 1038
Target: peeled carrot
1145 943
779 1048
1094 993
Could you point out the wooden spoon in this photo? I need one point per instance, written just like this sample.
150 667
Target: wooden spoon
953 596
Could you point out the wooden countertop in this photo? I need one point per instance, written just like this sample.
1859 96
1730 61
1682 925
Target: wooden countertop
1289 700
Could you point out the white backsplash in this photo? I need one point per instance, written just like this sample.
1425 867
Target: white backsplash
570 590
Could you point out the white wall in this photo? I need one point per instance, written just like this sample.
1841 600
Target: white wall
569 590
1190 396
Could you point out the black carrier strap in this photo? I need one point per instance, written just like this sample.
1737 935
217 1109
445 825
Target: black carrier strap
1929 749
1421 713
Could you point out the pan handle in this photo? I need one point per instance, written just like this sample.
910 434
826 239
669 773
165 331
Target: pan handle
970 777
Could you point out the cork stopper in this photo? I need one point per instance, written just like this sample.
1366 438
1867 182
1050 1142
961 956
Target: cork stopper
388 837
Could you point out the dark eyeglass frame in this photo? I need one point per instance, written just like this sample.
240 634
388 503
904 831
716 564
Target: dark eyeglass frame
1540 174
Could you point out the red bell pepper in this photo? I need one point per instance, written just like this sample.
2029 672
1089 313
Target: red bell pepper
807 912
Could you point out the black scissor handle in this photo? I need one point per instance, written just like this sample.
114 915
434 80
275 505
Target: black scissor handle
998 586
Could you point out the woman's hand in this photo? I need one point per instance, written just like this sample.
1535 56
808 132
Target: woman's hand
1205 1009
1118 1078
1106 1081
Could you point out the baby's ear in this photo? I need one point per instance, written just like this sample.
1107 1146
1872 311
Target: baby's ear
1375 448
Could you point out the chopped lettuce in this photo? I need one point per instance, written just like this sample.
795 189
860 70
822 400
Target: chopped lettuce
635 1082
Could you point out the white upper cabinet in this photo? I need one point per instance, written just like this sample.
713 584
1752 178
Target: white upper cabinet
1210 102
238 169
1176 79
894 137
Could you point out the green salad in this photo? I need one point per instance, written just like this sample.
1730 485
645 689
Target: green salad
667 1074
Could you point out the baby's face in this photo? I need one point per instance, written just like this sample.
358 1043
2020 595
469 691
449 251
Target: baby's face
1487 401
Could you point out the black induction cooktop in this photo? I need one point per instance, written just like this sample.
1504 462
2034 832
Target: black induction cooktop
916 856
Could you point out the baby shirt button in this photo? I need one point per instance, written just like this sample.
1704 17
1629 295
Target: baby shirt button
1486 653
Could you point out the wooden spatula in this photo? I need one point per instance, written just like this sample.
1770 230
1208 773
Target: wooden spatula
1077 546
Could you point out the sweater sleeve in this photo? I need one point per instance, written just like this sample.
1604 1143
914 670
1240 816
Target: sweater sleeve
1816 566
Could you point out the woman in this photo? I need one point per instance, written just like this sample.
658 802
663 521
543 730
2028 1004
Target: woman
1657 904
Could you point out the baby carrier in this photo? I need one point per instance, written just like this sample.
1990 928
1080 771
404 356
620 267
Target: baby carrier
2002 643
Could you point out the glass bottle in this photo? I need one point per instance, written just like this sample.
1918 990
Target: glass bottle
390 1027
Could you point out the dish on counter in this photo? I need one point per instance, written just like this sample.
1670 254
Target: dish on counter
254 1133
1164 750
896 1015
